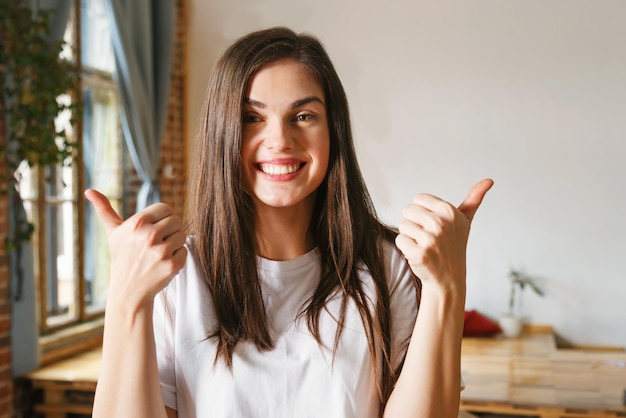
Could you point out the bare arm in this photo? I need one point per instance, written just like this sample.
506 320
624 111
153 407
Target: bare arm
433 238
171 413
128 385
147 250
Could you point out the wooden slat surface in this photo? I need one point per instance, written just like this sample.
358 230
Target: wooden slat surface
526 376
67 385
83 367
530 376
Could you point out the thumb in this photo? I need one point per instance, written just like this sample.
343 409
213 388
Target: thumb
104 210
475 197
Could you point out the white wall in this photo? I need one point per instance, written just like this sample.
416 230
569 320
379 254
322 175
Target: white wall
531 93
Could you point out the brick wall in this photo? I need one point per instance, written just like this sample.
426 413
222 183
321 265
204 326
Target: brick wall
174 149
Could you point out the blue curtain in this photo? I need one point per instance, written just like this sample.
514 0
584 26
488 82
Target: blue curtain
24 324
142 32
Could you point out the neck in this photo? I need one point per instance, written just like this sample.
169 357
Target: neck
282 233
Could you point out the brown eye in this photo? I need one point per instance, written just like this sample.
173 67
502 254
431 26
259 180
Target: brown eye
250 118
305 117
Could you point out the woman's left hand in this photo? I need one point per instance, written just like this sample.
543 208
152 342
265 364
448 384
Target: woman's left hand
433 237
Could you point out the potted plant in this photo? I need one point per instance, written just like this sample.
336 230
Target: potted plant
511 323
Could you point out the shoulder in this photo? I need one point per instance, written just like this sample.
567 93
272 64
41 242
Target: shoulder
398 270
401 282
188 278
187 303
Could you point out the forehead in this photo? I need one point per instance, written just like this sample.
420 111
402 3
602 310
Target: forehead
286 77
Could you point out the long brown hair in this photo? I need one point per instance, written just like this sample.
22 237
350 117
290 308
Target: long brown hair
344 225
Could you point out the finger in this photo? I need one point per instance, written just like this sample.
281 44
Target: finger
417 214
152 214
409 249
430 202
414 231
176 240
104 210
475 197
179 257
429 218
174 263
168 226
176 243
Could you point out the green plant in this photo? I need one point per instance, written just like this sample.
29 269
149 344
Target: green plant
520 280
33 78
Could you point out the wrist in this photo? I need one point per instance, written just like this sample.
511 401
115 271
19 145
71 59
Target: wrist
446 294
126 314
444 302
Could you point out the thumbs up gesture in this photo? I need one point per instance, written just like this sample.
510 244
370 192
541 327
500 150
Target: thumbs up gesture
147 250
433 237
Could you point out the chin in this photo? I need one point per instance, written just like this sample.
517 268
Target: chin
285 202
280 203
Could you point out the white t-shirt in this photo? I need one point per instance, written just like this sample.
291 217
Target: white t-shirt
298 378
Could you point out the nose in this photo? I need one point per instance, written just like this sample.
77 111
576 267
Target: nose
279 136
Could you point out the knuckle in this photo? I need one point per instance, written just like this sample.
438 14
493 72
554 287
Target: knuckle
136 223
402 242
406 210
428 242
151 236
417 257
449 211
418 198
171 266
177 239
402 226
438 226
398 242
165 253
163 207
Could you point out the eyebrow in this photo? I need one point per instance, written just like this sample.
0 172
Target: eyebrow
294 105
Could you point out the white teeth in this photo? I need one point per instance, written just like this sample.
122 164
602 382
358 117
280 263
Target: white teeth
277 169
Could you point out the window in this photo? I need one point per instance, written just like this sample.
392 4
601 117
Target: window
71 250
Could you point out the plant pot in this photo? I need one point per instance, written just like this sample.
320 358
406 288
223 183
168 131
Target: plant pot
511 326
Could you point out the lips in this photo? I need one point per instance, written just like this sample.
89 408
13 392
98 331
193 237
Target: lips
279 169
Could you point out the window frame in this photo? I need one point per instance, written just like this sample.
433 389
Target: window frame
84 328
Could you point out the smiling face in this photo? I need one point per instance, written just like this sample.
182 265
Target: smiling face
286 142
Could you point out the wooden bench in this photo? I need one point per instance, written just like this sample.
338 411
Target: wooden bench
530 376
67 386
526 376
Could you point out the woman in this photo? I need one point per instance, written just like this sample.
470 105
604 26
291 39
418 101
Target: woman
294 301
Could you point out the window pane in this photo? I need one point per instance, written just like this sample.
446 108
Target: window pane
102 157
96 48
69 38
27 183
102 141
61 280
96 253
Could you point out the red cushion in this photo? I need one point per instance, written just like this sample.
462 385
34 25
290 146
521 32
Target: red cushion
478 325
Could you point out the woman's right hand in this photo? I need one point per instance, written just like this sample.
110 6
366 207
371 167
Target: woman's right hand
147 250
